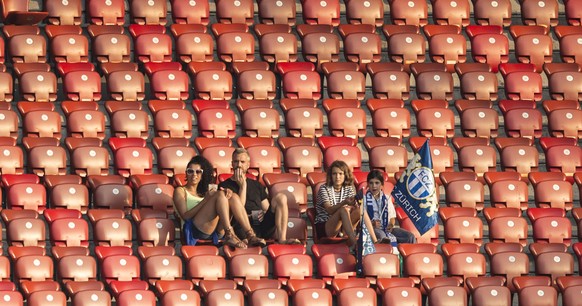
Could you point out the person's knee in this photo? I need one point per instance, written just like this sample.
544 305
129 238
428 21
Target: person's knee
411 238
279 200
345 211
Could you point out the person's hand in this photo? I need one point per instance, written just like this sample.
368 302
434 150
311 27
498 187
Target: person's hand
389 227
350 201
257 216
376 223
261 216
239 176
227 193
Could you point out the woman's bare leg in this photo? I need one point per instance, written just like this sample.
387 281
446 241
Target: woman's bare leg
213 211
341 220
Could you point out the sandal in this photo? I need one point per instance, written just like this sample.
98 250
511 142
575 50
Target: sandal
232 240
291 242
385 240
253 240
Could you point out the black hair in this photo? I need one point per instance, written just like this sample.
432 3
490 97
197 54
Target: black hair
207 174
375 174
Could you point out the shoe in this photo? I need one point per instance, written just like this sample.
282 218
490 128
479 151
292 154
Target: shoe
253 240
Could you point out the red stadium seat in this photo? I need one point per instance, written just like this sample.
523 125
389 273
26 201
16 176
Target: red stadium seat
544 13
492 12
325 12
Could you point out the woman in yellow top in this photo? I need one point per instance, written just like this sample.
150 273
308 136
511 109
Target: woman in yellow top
209 208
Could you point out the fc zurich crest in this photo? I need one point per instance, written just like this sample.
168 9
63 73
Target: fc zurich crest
420 183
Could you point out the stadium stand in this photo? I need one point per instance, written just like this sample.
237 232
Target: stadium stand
103 102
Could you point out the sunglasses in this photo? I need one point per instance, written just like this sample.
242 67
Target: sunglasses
192 171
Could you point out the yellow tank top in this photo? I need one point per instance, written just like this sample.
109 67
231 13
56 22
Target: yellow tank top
191 201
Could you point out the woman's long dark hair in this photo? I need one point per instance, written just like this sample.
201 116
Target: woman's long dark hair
207 175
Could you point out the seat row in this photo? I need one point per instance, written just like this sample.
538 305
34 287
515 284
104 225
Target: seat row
278 43
154 228
206 273
326 12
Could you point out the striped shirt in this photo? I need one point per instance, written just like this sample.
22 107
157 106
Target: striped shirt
327 194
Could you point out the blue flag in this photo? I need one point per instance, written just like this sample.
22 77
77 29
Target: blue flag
415 191
365 243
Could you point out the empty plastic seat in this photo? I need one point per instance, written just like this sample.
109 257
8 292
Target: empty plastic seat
67 13
535 290
451 12
153 47
113 196
304 122
257 84
235 12
170 85
489 45
47 160
126 85
78 273
6 87
552 229
47 298
106 13
508 229
26 196
477 158
362 48
433 81
189 12
213 85
324 12
38 86
554 193
435 122
477 81
90 161
565 123
70 48
302 85
82 85
446 44
148 12
464 229
532 45
130 123
544 13
422 265
509 193
492 12
27 47
405 44
113 232
236 47
348 122
217 123
200 51
278 46
320 46
283 12
26 232
448 295
112 48
346 85
404 12
565 159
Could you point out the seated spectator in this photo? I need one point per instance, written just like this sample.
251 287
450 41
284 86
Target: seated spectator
267 219
381 209
337 209
210 209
